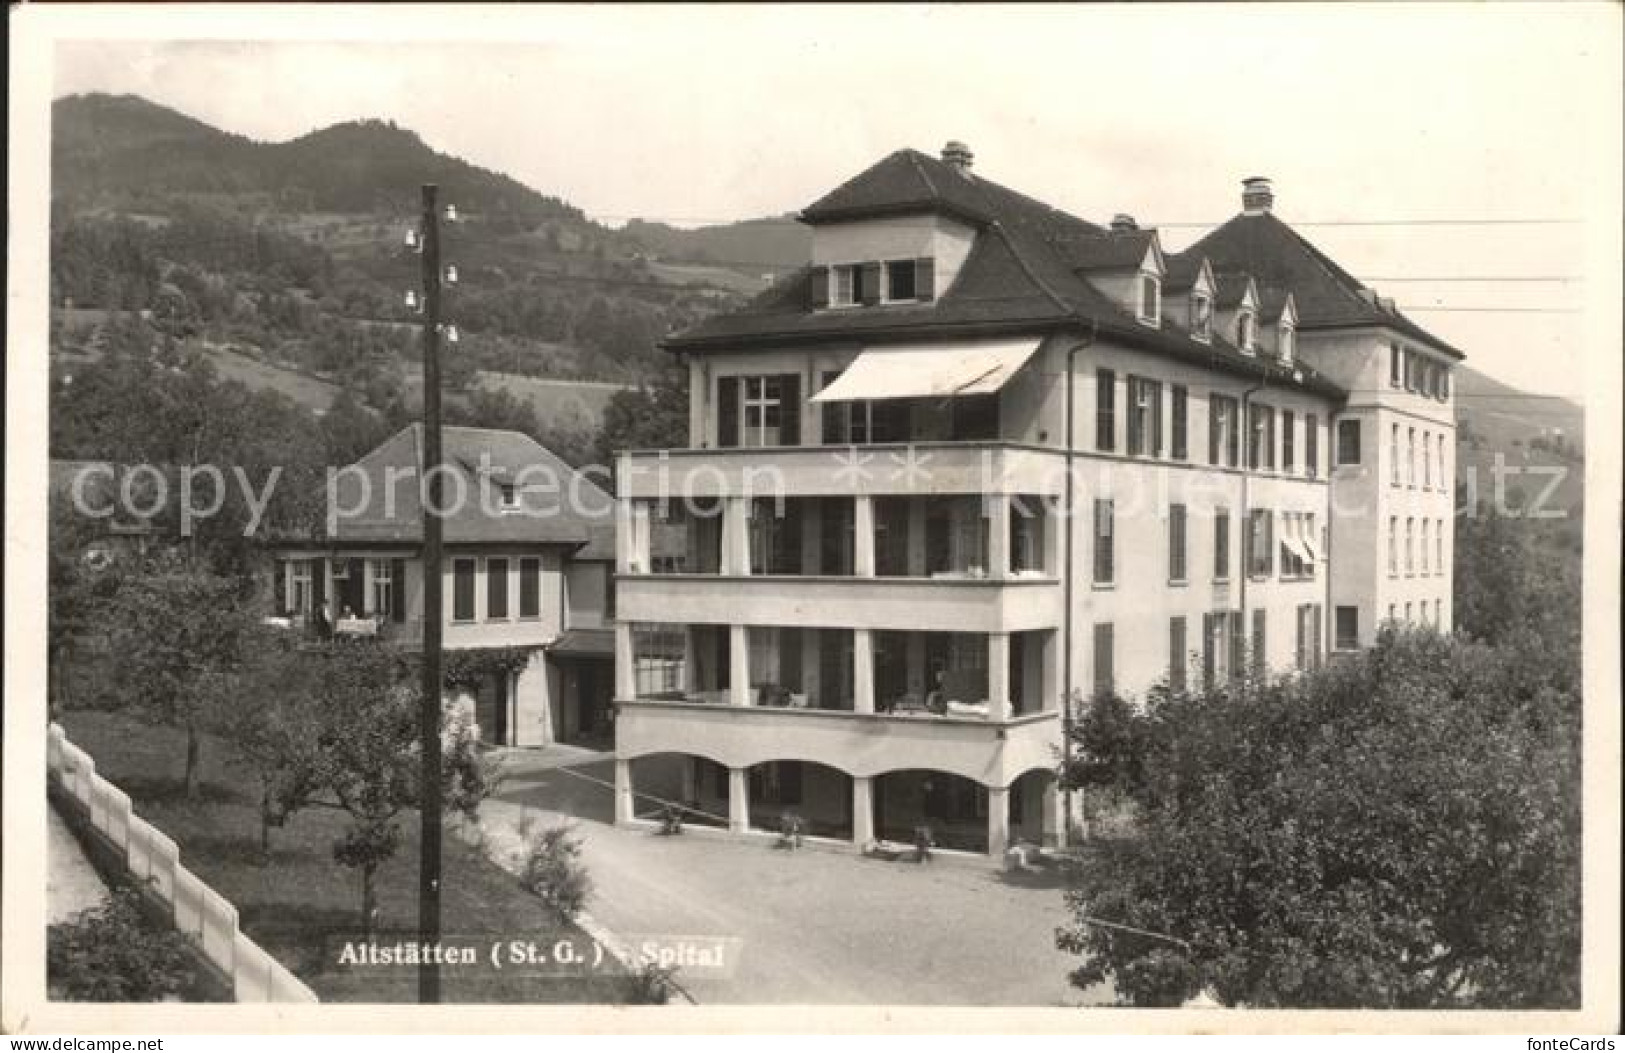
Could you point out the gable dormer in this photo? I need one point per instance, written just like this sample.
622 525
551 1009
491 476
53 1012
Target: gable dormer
1188 295
1285 331
1126 264
1236 307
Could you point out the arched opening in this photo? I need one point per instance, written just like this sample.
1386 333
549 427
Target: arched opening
952 807
697 784
820 796
1033 808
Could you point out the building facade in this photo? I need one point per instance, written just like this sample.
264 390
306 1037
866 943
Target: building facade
527 570
980 456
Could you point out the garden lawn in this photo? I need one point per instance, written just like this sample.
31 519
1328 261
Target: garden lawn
294 901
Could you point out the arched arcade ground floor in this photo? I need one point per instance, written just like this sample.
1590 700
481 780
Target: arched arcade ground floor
958 813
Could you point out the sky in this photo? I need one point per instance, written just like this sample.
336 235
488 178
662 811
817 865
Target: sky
1382 115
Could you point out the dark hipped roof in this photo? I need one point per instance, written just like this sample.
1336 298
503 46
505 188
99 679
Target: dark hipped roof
584 643
1279 258
1024 274
556 505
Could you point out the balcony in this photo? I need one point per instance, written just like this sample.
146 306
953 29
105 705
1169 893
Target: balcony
921 468
863 745
945 603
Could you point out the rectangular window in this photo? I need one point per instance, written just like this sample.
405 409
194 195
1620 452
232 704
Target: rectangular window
1438 548
1144 417
1410 547
508 494
1176 543
1427 461
1424 547
1444 480
1348 442
530 587
1393 468
299 587
1259 647
844 292
1150 299
1221 544
1409 615
1300 653
1289 441
1104 563
1181 440
1176 652
383 586
900 284
496 589
462 590
1347 627
1202 317
1260 543
1410 459
1105 410
1311 445
1104 679
1393 546
1394 368
1223 429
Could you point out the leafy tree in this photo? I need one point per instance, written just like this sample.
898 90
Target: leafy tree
365 756
111 953
653 416
1398 830
179 632
1509 586
275 721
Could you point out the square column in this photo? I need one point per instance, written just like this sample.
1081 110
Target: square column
738 801
863 812
998 821
863 671
736 536
625 682
916 538
623 530
998 674
624 810
1052 829
863 536
738 666
997 510
691 657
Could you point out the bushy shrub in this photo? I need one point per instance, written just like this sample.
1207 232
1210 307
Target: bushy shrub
553 870
111 953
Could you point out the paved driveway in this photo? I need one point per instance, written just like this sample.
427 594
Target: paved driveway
815 926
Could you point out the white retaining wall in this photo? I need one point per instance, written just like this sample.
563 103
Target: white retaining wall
153 861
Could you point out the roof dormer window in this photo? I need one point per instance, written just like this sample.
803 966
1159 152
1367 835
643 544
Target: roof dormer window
1246 331
900 281
1150 305
1201 317
1285 342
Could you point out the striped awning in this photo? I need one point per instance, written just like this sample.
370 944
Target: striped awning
971 367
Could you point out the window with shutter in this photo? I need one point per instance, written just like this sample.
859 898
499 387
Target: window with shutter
279 585
900 281
925 279
1105 679
1238 645
1105 410
1289 441
868 287
1181 438
1259 646
496 589
530 587
1221 545
818 288
462 590
728 411
1311 445
1176 653
397 592
1176 543
1104 561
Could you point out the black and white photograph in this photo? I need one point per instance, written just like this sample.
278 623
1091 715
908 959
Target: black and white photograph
893 518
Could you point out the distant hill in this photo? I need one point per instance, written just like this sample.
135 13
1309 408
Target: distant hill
1531 436
770 245
121 151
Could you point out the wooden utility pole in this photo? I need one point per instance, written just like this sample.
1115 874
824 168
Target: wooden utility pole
429 717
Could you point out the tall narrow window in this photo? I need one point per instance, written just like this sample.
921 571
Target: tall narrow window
1410 547
1410 458
1201 317
1246 331
1427 461
1181 437
1444 479
496 589
1394 369
1221 544
1311 445
462 590
1288 340
1260 543
1260 649
1105 410
1176 543
1105 564
530 587
1261 437
1347 627
1393 468
1393 546
1348 442
1424 547
383 586
1223 428
1150 299
1177 656
1105 680
1289 441
1438 547
1144 417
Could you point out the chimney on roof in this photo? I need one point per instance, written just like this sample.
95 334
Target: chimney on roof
1257 197
958 155
1122 223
